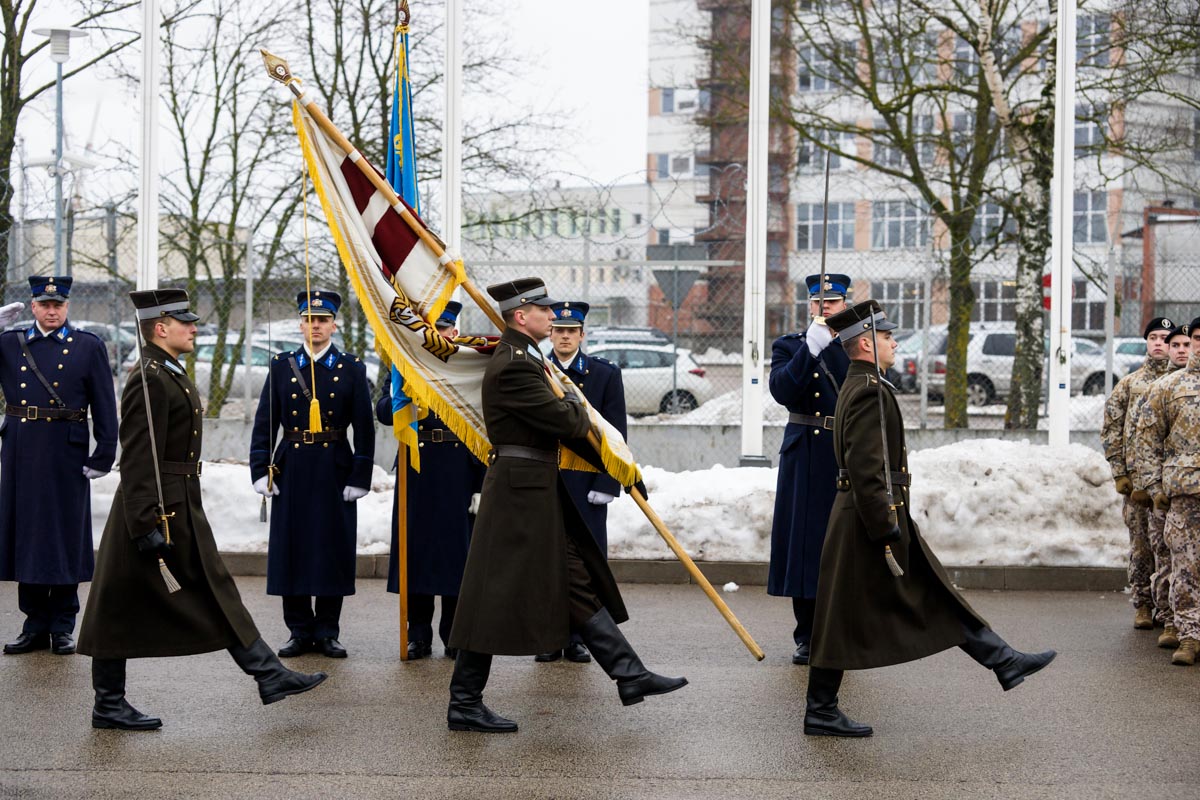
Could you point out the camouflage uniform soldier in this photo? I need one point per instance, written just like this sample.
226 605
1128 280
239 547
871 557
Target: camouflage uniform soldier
1169 428
1179 347
1115 433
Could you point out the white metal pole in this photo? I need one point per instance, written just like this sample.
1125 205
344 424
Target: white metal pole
754 323
147 224
1062 230
59 255
452 132
248 357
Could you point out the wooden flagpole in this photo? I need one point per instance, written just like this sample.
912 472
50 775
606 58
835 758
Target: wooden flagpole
279 71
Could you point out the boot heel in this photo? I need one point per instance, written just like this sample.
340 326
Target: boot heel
632 701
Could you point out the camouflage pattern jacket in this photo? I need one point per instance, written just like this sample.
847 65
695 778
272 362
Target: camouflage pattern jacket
1117 430
1139 459
1167 437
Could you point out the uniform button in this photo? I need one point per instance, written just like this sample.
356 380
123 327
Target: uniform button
816 394
293 413
22 386
816 433
815 375
419 444
339 366
24 420
191 455
195 433
296 445
60 366
195 411
817 414
70 338
324 444
331 394
56 384
293 395
293 380
335 378
187 390
65 351
24 368
24 402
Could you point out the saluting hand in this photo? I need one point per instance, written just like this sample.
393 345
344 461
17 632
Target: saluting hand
818 337
9 313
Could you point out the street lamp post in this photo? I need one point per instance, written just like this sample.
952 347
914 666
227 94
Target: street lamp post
60 51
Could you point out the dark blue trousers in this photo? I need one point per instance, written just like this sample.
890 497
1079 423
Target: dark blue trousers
48 608
317 620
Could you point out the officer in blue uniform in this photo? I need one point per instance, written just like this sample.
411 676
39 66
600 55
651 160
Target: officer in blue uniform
314 477
52 376
807 370
439 514
600 381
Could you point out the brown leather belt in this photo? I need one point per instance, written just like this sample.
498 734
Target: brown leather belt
520 451
308 437
898 479
825 423
180 468
40 412
437 435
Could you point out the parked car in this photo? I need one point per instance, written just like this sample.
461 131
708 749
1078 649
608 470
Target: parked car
608 334
647 373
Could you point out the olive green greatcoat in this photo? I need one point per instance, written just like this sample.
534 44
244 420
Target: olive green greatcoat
865 616
129 612
514 598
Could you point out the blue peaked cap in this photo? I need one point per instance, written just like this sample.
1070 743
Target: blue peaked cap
836 285
50 287
570 314
322 303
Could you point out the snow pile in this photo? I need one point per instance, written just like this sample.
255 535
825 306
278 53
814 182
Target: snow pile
714 356
724 409
984 502
730 587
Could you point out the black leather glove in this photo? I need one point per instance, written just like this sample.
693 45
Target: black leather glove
892 536
570 396
640 486
153 542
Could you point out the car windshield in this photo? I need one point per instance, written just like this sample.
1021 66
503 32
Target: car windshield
911 346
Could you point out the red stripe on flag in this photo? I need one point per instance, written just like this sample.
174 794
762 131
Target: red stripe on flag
393 238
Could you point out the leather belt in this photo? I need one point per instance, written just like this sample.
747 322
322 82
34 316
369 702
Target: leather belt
180 468
520 451
437 435
825 423
36 412
898 479
308 437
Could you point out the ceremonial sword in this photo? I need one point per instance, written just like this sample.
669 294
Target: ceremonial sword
820 318
893 565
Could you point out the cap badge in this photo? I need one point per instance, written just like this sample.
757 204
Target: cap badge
318 303
51 288
1166 323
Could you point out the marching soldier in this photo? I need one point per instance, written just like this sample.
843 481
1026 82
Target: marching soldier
807 369
1115 434
600 381
869 614
439 514
1169 434
534 571
313 477
52 375
157 527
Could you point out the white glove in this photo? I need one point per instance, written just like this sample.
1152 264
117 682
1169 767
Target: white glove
260 486
9 313
473 507
600 498
818 338
352 493
92 474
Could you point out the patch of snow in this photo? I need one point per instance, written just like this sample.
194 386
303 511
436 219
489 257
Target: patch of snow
730 587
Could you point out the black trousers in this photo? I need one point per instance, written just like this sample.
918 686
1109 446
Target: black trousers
48 608
582 600
420 617
307 619
804 609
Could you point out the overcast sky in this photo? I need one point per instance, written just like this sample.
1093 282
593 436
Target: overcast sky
586 60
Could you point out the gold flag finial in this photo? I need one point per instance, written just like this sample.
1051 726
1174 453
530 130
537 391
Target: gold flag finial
277 68
405 16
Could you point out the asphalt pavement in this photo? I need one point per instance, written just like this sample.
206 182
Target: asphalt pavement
1110 718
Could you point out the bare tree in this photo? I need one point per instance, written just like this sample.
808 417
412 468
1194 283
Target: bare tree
104 19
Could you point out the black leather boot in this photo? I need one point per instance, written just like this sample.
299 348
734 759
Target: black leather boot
1011 666
275 681
822 717
112 710
467 711
616 656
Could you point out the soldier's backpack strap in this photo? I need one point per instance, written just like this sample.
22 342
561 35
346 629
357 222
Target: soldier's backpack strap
299 378
38 373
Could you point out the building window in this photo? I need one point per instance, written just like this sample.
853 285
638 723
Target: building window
664 236
1089 130
901 300
810 155
1091 217
662 165
966 60
810 222
921 136
615 220
1092 40
995 301
1086 314
681 165
637 219
898 224
815 70
668 101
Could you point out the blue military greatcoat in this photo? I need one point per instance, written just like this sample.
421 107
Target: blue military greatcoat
600 381
807 469
45 501
313 530
439 527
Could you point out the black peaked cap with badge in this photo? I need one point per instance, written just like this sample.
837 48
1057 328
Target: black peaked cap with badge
570 314
521 292
56 288
859 319
155 303
321 303
1157 324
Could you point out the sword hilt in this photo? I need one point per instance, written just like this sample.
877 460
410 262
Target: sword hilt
164 521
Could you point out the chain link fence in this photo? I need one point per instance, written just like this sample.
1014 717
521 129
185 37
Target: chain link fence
670 317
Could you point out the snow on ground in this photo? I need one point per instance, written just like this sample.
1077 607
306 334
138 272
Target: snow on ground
724 409
983 502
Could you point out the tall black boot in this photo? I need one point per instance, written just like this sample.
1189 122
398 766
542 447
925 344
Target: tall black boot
1011 666
616 656
112 710
467 711
275 681
822 717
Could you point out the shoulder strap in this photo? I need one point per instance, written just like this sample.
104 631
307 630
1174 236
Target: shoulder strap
299 378
37 372
829 373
